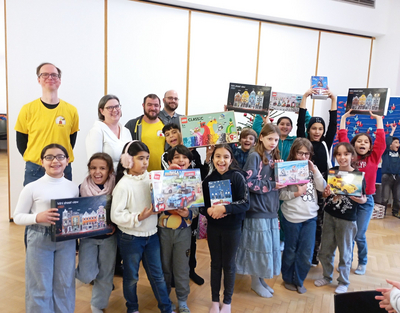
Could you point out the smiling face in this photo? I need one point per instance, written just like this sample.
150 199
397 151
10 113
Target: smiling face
270 141
99 171
171 100
173 137
49 84
285 127
362 145
316 131
151 108
302 154
140 163
247 142
222 160
113 116
54 168
344 158
181 160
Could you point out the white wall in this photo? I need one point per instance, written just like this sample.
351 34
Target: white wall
3 104
58 32
325 14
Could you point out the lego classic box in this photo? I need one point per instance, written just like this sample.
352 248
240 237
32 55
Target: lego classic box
176 189
292 172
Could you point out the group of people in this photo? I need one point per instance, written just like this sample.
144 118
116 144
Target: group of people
243 236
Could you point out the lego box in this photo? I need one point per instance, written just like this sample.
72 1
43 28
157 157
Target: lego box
320 84
345 183
363 100
81 217
176 189
249 98
285 101
220 192
292 172
208 129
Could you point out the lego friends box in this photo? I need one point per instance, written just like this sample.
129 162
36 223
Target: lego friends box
292 172
208 129
176 189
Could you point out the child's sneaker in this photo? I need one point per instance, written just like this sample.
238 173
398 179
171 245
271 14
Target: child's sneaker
321 282
361 269
341 289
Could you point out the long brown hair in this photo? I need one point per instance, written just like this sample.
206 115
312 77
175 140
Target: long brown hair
296 146
260 149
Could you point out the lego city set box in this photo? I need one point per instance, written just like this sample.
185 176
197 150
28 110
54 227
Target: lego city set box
320 84
81 217
292 172
363 100
220 192
345 183
176 189
248 98
288 102
208 129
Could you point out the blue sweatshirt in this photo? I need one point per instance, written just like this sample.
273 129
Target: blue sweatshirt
264 200
390 159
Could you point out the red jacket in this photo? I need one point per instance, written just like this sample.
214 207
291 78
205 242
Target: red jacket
369 165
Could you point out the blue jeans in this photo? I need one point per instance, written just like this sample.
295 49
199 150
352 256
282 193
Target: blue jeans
95 264
364 213
34 171
146 249
223 245
298 252
49 272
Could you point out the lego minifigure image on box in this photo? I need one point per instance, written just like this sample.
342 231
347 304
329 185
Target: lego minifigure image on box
292 172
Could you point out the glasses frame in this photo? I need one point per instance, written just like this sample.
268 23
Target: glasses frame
306 154
59 157
173 98
52 75
113 107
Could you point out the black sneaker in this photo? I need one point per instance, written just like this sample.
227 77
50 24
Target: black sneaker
196 278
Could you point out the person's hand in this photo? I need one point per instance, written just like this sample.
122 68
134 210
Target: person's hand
48 216
209 152
184 212
359 200
279 186
174 167
327 191
146 213
310 91
225 107
393 126
385 298
113 230
301 189
375 116
329 93
347 114
311 166
265 118
217 211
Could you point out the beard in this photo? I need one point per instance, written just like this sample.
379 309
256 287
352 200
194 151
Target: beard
169 107
150 117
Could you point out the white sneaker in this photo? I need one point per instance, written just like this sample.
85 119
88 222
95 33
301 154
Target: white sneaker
341 289
360 269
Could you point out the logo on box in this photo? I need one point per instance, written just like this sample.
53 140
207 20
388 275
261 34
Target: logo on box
184 120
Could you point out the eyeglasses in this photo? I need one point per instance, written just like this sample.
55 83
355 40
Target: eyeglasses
173 98
301 154
50 157
114 107
47 75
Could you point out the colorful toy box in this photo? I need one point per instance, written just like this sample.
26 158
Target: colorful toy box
176 189
81 217
345 183
248 98
220 192
363 100
285 101
319 83
208 129
292 172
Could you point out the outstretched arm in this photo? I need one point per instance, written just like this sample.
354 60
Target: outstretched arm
343 119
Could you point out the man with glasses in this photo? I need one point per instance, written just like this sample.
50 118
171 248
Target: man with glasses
148 129
171 102
46 120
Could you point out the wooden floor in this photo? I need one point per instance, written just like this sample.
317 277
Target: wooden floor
383 262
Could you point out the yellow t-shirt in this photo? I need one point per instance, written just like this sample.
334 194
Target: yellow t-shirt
153 137
45 126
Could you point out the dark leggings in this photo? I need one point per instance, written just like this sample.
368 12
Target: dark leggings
223 245
318 231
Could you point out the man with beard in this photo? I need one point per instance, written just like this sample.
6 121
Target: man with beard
168 114
148 129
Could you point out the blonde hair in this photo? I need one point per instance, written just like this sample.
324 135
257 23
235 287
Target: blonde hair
260 149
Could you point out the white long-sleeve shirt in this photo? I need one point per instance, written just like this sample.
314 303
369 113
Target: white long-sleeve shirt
305 207
130 196
36 198
102 139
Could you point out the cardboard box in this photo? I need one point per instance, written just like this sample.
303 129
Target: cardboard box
176 189
363 100
220 192
292 172
345 183
320 84
208 129
288 102
379 211
81 217
248 98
